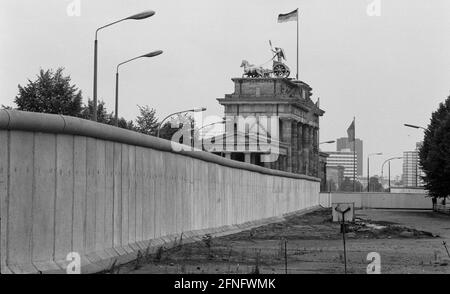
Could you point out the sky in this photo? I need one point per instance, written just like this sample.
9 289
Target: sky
385 69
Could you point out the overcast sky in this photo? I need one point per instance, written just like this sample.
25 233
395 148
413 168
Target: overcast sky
386 70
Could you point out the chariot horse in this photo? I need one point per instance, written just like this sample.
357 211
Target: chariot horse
253 71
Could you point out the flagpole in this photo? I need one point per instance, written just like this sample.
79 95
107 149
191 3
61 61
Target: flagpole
297 43
354 155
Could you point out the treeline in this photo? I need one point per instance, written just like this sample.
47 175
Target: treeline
435 152
347 186
52 92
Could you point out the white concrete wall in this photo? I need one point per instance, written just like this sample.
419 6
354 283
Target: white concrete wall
378 200
62 192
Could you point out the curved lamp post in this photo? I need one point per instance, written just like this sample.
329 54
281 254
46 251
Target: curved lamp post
139 16
368 162
382 169
178 112
415 127
214 123
327 142
151 54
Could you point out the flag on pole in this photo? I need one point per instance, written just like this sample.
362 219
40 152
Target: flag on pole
351 132
291 16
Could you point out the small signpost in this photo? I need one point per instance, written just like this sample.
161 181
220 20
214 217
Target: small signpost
343 212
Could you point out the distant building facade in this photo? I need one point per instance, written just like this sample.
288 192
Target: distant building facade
343 159
296 134
412 173
343 144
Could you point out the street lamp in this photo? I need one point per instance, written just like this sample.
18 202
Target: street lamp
389 168
151 54
178 112
139 16
214 123
327 142
415 127
368 162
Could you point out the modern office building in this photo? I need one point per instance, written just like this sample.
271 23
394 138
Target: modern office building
344 144
412 173
344 159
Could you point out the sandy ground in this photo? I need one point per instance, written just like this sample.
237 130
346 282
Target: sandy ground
407 241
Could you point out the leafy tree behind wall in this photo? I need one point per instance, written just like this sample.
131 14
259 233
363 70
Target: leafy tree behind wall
103 116
146 121
51 92
347 186
435 152
375 185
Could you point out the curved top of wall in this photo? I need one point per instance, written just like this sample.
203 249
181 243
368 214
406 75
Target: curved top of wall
15 120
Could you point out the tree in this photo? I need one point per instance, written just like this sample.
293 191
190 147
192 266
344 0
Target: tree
51 92
435 152
347 185
375 185
170 128
331 186
124 124
102 114
146 121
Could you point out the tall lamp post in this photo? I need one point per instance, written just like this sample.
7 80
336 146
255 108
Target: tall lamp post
178 112
148 55
368 171
139 16
327 142
389 168
417 159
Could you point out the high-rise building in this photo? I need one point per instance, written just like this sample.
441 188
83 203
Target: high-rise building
343 159
343 144
412 173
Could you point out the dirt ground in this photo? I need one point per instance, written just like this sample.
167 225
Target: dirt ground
407 241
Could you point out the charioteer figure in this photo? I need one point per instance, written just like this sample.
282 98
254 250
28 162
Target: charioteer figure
279 68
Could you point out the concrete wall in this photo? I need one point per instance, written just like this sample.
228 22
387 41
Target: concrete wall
378 200
70 185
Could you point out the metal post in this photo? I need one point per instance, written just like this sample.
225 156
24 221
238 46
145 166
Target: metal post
94 117
368 179
285 257
297 45
192 134
416 162
389 165
116 114
343 239
343 233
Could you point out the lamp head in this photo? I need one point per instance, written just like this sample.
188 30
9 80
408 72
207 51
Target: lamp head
411 126
142 15
153 54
